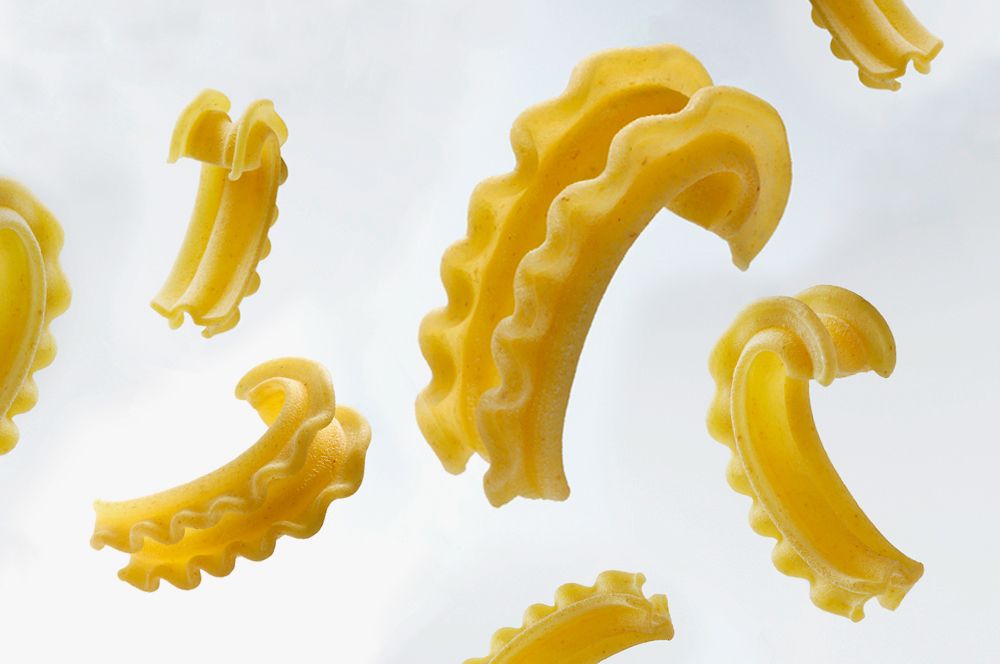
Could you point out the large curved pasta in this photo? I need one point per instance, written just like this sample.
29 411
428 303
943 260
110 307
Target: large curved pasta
312 453
227 237
33 291
761 410
556 143
722 163
585 625
880 36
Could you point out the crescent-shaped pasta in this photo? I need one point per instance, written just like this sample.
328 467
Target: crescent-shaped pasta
556 143
227 237
585 625
881 37
722 163
312 453
33 291
762 367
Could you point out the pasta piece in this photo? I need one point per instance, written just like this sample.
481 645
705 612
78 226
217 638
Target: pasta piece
33 292
586 625
880 36
312 453
762 367
556 143
227 236
722 163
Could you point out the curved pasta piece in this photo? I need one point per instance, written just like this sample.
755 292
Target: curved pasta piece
722 163
33 292
880 36
312 453
227 237
556 143
585 625
762 367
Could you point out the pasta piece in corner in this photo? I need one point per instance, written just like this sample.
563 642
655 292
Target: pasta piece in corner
312 454
33 292
227 237
762 367
585 625
881 37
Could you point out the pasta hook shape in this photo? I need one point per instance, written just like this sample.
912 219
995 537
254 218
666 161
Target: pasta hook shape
555 143
762 367
585 625
312 453
722 163
226 238
881 37
33 292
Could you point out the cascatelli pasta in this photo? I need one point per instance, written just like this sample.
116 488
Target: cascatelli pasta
585 625
241 171
636 131
312 453
762 367
33 291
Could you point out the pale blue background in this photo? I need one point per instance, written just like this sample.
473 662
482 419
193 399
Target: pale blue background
395 111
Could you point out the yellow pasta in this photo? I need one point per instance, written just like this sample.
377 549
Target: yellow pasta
881 37
762 367
637 130
33 291
227 237
556 143
312 453
722 163
585 625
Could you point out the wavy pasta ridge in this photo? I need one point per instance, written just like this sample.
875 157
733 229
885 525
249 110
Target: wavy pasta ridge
442 329
610 587
291 459
347 482
897 29
241 163
48 234
813 355
523 340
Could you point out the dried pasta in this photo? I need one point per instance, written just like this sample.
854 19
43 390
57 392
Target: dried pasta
881 37
545 240
312 453
227 236
33 292
762 367
585 625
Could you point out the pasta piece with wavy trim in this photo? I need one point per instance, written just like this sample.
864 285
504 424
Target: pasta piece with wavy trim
227 237
33 292
761 411
556 143
722 163
312 453
881 37
585 625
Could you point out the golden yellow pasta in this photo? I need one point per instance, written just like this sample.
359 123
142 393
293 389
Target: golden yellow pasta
881 37
312 453
33 291
761 410
637 130
722 163
556 143
227 237
585 625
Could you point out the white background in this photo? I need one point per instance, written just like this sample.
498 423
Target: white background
395 111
